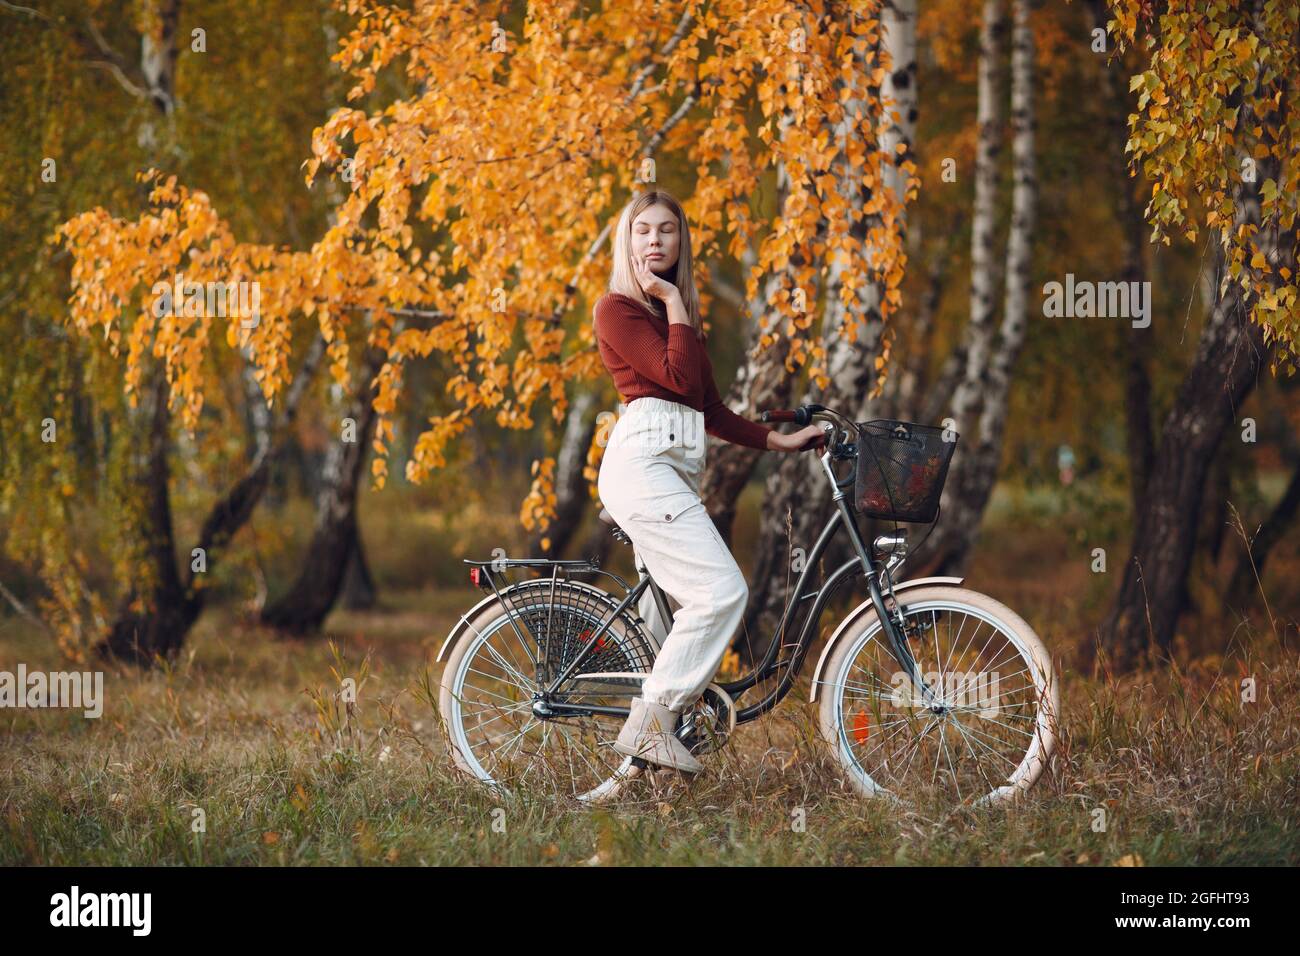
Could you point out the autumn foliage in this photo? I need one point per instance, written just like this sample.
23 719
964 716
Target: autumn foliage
477 204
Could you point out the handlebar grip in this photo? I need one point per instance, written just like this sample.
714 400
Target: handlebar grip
779 415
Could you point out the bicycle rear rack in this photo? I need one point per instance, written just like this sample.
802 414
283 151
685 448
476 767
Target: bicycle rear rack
491 574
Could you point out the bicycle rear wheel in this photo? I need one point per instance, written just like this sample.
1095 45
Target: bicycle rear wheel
986 734
503 662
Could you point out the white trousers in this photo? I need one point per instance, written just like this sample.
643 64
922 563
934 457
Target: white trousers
649 481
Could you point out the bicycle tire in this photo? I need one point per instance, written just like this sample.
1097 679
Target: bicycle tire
848 732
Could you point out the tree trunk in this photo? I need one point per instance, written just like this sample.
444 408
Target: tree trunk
156 613
335 535
1152 594
1216 515
761 383
981 402
573 500
155 618
359 591
796 501
797 495
970 361
1232 350
1137 342
597 545
904 389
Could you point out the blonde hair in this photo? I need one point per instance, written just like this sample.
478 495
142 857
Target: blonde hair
623 280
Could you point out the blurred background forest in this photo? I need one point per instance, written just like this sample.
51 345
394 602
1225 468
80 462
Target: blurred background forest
1077 417
423 194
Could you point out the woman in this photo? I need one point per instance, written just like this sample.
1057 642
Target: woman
648 332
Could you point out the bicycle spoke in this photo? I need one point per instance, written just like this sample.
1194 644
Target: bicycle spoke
490 693
976 735
915 748
975 757
506 665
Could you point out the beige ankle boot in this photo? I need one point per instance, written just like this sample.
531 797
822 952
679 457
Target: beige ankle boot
648 734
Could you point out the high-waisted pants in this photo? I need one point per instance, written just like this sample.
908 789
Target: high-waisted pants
649 482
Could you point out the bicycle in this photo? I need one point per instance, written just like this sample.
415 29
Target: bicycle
540 673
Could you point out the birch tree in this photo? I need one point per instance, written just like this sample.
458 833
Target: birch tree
474 206
876 178
982 398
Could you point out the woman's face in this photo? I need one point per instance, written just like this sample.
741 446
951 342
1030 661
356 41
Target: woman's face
655 235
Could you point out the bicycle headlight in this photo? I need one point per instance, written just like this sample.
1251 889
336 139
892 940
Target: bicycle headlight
893 544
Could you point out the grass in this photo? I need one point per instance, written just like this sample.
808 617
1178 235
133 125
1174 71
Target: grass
1183 771
239 753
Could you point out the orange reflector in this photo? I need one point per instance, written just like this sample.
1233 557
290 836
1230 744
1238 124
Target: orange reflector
861 726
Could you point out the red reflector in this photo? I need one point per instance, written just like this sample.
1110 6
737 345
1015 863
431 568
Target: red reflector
861 726
474 577
601 642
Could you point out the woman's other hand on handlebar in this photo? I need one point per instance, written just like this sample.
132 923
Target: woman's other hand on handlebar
805 439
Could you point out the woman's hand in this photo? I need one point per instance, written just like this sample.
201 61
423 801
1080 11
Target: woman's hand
809 437
651 284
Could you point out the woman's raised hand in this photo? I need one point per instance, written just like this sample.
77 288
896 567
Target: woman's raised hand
652 284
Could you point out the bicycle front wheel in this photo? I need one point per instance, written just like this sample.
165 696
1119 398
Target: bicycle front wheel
980 727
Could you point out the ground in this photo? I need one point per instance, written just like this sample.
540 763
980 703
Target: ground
225 757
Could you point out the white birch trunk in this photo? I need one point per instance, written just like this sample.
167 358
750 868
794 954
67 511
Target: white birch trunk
798 497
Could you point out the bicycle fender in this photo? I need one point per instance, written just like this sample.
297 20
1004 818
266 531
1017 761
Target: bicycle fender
461 625
863 610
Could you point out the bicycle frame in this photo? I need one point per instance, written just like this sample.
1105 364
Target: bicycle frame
864 563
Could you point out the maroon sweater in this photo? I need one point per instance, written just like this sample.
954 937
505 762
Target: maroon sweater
650 357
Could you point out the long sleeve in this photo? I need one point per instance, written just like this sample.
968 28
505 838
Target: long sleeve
674 364
721 422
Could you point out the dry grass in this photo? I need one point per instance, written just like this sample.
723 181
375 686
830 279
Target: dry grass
1184 770
1169 767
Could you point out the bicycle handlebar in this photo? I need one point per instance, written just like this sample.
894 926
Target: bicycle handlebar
801 416
805 414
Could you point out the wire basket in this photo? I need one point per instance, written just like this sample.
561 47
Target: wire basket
901 470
